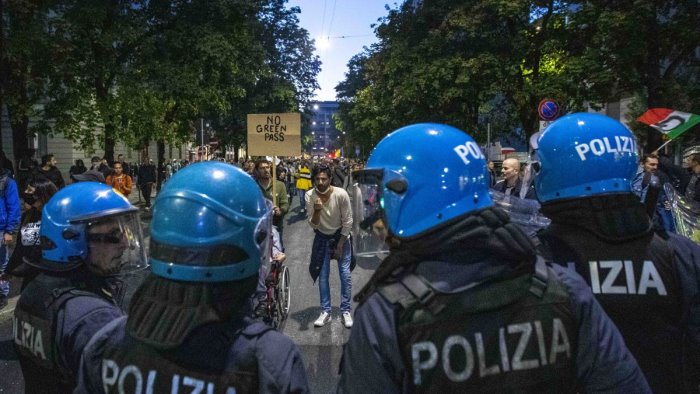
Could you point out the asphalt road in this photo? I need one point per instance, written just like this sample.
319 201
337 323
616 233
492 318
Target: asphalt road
321 347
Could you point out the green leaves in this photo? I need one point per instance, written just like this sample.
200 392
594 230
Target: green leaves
138 71
470 62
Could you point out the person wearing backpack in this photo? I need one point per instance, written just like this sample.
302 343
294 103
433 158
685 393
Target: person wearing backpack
189 324
91 254
647 281
463 303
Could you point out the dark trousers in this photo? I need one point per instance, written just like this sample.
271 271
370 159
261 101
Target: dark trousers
146 192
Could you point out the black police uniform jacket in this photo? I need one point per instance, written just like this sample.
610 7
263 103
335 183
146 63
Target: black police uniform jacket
54 319
479 324
646 284
241 357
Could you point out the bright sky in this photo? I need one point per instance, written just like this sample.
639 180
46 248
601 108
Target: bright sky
349 18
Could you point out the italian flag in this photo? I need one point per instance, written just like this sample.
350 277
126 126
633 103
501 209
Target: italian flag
670 122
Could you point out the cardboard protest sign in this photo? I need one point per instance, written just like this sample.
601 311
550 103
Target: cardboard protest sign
274 134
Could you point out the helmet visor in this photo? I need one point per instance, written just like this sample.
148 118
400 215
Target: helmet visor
116 251
370 226
263 235
523 212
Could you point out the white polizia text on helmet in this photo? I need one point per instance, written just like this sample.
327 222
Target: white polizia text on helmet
600 146
468 149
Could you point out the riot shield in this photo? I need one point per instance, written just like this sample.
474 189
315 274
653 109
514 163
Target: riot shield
523 212
686 214
369 232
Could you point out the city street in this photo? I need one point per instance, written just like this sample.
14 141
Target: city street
320 347
533 167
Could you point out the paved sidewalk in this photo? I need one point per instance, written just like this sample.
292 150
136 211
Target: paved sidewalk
136 199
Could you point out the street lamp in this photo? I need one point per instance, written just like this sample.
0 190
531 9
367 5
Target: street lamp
201 136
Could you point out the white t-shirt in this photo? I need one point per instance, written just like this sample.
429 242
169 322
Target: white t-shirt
336 212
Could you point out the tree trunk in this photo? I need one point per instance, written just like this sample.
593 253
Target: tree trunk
654 139
651 77
103 105
20 137
161 151
528 118
235 152
109 142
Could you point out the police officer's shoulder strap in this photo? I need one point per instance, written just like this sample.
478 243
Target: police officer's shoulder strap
539 277
409 289
60 295
249 327
663 247
254 331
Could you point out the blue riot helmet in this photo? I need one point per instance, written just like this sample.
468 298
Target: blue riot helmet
210 223
585 154
421 176
90 223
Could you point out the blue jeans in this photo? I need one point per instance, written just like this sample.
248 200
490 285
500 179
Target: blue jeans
302 202
291 190
4 284
345 280
261 288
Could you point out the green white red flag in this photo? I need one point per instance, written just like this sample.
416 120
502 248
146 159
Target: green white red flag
670 122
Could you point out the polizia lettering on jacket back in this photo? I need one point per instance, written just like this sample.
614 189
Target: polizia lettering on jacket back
132 379
512 335
519 347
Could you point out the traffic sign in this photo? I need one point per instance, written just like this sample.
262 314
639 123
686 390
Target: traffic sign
548 109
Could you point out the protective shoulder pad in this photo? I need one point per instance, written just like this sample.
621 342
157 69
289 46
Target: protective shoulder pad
540 278
410 289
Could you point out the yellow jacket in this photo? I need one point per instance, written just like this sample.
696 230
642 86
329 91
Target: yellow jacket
303 178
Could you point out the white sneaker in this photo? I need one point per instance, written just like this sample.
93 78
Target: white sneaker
324 318
347 319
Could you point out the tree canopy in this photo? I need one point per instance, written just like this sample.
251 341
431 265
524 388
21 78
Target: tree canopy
472 62
141 70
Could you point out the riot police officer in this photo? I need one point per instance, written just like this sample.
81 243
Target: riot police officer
91 253
646 284
188 326
463 303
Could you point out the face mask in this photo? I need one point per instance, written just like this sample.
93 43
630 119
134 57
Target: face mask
320 192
